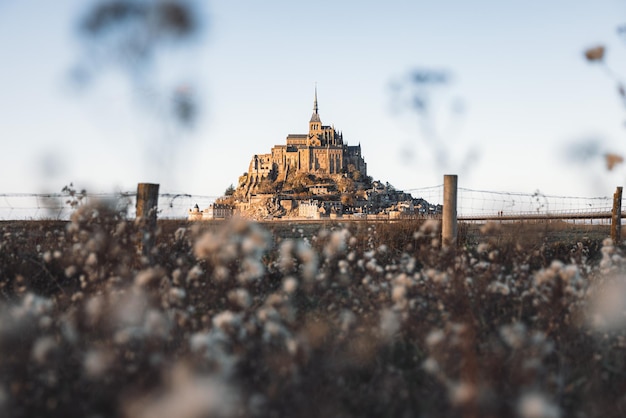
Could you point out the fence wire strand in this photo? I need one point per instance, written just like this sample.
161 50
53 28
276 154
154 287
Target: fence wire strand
40 206
470 203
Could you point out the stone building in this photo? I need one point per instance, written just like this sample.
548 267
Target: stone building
309 209
314 175
320 151
194 214
218 211
214 211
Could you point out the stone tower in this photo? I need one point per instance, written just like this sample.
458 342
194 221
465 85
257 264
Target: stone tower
315 126
321 151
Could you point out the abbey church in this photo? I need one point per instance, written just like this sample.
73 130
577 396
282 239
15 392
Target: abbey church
312 176
320 151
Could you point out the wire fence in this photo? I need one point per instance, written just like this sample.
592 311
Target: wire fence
31 206
471 204
484 204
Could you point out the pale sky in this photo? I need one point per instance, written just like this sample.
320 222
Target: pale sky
520 91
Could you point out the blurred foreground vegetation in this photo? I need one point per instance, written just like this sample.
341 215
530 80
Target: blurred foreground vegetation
240 319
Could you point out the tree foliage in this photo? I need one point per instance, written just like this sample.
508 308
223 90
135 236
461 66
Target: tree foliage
230 190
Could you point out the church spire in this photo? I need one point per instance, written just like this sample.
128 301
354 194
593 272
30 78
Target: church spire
315 117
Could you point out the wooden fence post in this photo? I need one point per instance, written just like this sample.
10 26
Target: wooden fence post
449 220
147 206
616 218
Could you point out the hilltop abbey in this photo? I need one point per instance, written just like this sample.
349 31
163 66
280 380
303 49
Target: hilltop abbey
320 151
312 176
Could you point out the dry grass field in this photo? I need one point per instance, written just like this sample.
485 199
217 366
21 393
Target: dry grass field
239 319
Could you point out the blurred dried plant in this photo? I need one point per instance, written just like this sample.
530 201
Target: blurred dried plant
597 55
146 42
130 33
425 92
133 36
612 160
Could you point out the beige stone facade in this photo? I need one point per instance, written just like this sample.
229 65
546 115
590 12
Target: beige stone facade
321 151
214 211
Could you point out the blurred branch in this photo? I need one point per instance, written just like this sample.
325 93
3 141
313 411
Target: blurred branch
422 92
129 32
596 55
129 35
